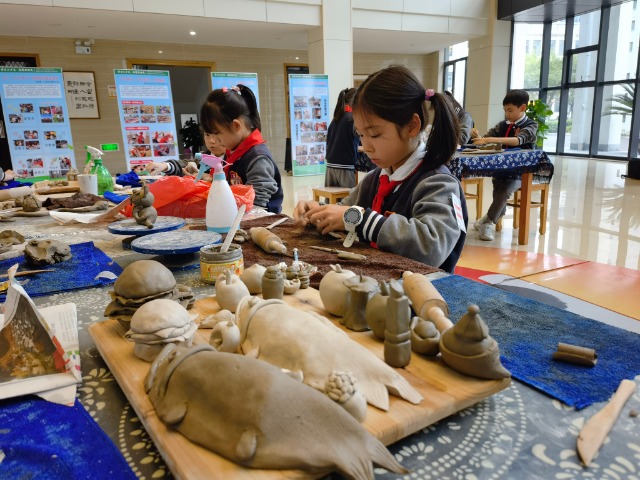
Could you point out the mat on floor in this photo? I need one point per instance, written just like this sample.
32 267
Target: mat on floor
528 333
40 439
80 271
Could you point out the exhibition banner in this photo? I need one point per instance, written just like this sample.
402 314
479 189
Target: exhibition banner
309 116
230 79
145 104
37 121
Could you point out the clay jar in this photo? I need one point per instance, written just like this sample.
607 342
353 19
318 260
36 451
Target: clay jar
361 288
335 295
272 283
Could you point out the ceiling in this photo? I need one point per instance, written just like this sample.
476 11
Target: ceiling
79 23
537 11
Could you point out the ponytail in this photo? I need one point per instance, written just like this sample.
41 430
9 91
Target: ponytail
445 132
223 105
252 106
344 103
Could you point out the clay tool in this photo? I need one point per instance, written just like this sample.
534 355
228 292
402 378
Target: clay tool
341 253
597 427
276 223
26 272
233 229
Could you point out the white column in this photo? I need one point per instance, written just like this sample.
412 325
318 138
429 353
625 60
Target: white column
331 47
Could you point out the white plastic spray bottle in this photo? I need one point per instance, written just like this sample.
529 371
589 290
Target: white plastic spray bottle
92 154
221 204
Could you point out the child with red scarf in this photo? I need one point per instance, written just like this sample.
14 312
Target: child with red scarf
230 119
410 204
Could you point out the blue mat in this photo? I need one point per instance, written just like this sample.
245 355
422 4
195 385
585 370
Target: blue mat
528 333
78 272
44 440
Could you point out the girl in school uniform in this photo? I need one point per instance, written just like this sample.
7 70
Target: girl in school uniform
230 119
410 204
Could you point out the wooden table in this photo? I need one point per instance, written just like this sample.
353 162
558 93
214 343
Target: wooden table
529 165
445 392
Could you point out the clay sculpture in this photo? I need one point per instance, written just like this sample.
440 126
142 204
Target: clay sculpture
253 414
72 175
15 238
361 288
267 240
468 348
252 278
376 311
225 336
426 300
157 323
230 290
335 295
303 341
30 203
46 252
273 282
343 388
141 282
143 211
425 337
397 336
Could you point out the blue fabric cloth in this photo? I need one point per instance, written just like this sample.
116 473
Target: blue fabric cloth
528 333
14 184
114 197
131 178
78 272
511 163
44 440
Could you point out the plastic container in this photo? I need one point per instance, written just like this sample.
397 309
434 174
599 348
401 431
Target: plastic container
221 204
105 180
213 263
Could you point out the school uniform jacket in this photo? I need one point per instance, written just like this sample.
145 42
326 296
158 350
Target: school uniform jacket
525 129
342 144
424 226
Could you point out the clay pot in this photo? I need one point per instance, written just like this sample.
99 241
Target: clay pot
273 283
335 295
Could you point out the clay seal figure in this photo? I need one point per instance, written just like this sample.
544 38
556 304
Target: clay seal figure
143 210
254 414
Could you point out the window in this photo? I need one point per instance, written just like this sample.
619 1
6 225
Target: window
455 70
525 69
615 119
583 67
586 29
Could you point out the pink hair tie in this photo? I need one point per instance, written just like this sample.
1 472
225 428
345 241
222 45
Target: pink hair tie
428 93
225 89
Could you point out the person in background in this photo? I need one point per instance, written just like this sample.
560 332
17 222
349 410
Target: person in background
410 204
6 175
466 122
184 167
342 144
517 130
230 118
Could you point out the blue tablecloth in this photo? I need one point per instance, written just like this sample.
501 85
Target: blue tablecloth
508 164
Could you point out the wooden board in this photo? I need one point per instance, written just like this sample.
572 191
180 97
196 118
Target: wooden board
444 390
43 188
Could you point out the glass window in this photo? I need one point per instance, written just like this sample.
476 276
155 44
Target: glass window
459 84
448 77
615 120
553 101
583 67
556 54
586 29
579 118
621 61
525 68
454 52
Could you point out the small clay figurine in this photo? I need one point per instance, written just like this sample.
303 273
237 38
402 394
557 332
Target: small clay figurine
72 175
361 289
425 337
376 311
343 388
46 252
397 337
230 290
335 295
143 211
31 204
252 278
272 283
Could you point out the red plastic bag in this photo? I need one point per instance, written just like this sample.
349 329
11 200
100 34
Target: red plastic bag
180 197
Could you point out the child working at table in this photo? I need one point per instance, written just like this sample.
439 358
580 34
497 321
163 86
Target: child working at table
230 119
342 144
410 204
182 167
517 130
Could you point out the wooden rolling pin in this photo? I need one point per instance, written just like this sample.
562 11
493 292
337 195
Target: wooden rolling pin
426 300
266 240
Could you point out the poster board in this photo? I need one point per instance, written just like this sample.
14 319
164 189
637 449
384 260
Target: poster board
309 117
230 79
147 120
37 121
80 90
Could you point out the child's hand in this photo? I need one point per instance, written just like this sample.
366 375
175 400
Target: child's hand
475 133
8 175
190 169
327 218
300 211
480 141
156 168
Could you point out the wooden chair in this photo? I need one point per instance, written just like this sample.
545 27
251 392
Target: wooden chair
542 204
333 194
475 195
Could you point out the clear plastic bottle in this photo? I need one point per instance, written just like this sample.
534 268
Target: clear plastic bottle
105 180
221 204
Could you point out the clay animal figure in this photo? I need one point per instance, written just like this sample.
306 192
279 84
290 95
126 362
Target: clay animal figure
252 413
305 342
46 252
143 210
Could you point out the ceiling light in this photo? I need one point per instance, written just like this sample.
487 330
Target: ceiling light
297 58
159 51
192 33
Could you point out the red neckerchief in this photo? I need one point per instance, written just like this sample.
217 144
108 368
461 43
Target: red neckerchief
255 138
385 187
509 129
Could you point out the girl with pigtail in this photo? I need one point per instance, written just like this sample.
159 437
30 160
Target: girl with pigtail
410 204
230 119
342 144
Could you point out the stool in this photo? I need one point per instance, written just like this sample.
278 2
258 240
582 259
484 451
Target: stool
542 204
477 195
333 194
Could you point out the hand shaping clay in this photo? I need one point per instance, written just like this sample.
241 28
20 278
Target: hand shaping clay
255 415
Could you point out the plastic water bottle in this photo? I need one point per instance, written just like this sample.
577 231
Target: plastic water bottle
221 204
105 180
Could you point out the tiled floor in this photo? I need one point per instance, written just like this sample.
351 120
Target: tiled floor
592 246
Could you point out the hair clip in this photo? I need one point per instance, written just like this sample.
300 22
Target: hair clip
428 93
347 108
236 89
225 89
